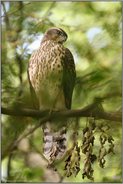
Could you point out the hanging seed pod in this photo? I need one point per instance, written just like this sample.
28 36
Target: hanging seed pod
68 166
105 137
77 163
102 154
111 144
72 166
88 171
87 149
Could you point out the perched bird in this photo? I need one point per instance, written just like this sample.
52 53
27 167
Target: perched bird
51 73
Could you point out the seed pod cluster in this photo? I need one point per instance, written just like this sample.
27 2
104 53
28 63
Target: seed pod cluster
105 138
72 163
87 149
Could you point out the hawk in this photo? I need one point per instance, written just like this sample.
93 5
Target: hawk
51 73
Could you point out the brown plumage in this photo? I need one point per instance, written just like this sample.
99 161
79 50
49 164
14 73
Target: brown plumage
52 75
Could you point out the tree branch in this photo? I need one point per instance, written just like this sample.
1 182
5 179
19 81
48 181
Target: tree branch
93 110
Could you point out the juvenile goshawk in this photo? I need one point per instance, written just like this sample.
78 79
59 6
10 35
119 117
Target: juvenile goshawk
51 73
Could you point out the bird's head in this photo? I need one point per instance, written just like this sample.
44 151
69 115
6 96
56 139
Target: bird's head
56 34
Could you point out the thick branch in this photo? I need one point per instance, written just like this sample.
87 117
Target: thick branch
92 110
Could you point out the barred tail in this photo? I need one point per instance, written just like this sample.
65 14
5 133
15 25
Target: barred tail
54 143
47 140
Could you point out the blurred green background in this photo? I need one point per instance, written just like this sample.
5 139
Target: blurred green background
94 37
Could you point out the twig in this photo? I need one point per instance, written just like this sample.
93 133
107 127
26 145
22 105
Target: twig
6 17
46 13
11 13
14 144
43 120
9 166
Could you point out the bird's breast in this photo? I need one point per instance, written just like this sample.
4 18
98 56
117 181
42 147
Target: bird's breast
48 74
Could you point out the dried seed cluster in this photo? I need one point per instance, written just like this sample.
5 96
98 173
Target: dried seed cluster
105 138
87 149
72 166
72 163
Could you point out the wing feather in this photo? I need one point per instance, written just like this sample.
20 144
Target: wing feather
69 76
32 90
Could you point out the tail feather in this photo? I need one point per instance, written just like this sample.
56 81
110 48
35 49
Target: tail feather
54 143
47 139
